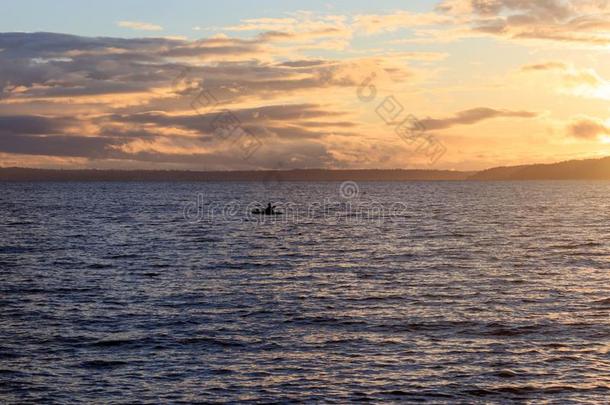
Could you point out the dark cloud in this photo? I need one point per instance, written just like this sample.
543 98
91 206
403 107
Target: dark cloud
300 154
545 66
555 9
46 44
321 124
575 21
297 132
213 48
49 70
304 63
473 116
32 124
58 145
291 113
587 128
57 65
561 36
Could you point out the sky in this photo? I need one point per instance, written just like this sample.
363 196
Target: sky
240 85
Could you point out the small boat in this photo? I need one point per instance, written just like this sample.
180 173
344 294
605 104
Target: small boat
270 211
264 212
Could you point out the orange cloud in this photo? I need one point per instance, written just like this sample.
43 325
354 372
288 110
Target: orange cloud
588 128
140 26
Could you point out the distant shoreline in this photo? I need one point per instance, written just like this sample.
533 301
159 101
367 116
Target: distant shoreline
591 169
24 174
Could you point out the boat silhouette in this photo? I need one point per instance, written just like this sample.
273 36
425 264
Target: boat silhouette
270 210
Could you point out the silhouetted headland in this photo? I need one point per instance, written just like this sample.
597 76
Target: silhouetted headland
589 169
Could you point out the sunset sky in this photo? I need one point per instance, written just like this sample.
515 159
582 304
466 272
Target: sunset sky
151 84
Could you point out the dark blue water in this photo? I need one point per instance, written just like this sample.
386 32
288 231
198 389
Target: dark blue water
476 292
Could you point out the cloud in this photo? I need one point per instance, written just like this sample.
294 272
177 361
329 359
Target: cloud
139 26
377 23
579 82
416 56
55 65
131 100
265 24
303 31
288 121
473 116
306 30
556 9
587 128
575 22
214 48
300 152
545 66
59 145
32 124
137 100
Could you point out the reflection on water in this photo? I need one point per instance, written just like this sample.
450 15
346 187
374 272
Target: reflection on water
478 292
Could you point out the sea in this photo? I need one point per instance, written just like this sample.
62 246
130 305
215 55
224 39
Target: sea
413 292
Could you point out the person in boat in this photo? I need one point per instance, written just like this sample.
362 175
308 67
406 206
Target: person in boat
270 210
